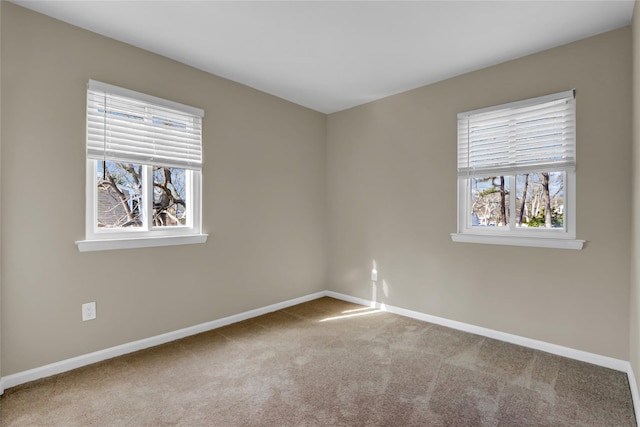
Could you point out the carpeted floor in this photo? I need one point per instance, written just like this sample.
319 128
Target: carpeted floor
328 363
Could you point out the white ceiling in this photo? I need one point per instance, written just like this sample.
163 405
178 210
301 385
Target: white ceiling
330 56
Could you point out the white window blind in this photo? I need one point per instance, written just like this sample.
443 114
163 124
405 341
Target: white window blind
526 136
128 126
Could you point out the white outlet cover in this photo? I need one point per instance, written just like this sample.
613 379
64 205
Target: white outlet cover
88 311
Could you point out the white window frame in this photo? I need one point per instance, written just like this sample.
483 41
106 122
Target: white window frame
147 235
562 238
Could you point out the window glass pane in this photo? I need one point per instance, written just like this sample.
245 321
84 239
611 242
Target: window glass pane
490 201
540 200
169 197
168 122
119 194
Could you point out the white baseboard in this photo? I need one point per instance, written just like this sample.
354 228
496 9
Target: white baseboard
87 359
596 359
633 385
97 356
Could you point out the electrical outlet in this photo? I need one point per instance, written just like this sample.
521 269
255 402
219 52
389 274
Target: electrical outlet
88 311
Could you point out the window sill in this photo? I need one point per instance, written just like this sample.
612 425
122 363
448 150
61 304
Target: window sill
144 242
519 241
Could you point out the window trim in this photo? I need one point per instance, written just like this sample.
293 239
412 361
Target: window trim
536 242
564 238
568 231
139 242
113 239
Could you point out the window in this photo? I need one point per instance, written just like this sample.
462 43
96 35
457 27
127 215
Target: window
144 158
516 173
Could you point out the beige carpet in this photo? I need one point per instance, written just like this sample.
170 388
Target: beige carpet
328 363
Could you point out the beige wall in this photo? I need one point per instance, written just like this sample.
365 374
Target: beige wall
391 180
263 185
0 193
634 320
